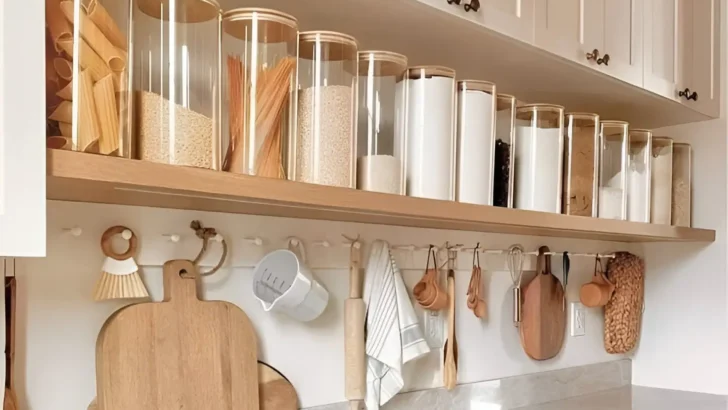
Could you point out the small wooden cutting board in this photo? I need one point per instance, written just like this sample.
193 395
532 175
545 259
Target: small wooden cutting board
182 353
544 314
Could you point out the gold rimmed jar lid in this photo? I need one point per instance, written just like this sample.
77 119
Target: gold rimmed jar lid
428 71
186 11
478 85
281 27
382 63
340 46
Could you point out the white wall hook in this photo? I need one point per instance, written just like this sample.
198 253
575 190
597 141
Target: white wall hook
172 237
257 241
323 244
126 234
75 231
355 245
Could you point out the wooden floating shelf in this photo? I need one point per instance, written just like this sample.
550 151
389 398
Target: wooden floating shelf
79 177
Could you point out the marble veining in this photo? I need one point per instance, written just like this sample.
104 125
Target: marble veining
514 392
638 398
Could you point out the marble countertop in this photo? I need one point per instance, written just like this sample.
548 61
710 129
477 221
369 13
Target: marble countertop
638 398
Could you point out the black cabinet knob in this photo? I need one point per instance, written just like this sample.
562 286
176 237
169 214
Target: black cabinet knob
474 5
457 2
688 95
594 56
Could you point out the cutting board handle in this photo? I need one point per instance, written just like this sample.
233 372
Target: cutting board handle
543 263
180 281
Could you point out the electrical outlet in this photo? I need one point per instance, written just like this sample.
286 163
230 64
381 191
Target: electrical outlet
578 319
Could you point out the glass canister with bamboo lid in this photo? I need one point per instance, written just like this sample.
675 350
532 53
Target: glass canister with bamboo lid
325 139
614 144
260 49
539 157
581 156
382 140
176 81
431 132
87 76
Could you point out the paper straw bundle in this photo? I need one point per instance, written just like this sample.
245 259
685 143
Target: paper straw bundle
102 57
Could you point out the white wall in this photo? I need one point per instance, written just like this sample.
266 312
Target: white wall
685 325
58 321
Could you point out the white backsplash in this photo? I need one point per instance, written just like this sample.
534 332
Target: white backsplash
58 321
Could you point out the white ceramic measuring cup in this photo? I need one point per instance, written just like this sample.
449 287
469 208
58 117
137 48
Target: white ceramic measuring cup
282 282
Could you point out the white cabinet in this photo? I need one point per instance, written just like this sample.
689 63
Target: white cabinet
661 46
514 18
22 129
699 55
575 28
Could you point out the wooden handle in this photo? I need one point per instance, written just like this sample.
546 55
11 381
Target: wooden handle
543 263
180 281
450 371
109 250
355 355
355 275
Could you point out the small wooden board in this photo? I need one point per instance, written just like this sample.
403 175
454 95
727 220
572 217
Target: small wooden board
276 392
544 315
182 353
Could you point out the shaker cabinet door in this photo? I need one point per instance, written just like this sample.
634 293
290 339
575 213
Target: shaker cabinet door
588 32
661 41
514 18
699 55
22 128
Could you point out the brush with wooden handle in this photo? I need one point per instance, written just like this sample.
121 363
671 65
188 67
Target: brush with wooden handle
354 316
450 371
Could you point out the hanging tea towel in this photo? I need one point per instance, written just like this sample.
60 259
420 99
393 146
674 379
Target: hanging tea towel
394 336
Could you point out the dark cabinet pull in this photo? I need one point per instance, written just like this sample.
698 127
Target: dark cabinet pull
594 55
474 5
456 2
688 95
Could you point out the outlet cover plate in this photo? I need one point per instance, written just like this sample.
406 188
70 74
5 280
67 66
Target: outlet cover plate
578 319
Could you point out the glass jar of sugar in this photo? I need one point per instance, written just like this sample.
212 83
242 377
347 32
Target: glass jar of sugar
614 136
381 134
639 175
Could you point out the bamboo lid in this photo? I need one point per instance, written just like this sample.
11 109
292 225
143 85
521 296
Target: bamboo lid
276 27
339 46
539 107
583 115
478 85
428 71
186 11
381 63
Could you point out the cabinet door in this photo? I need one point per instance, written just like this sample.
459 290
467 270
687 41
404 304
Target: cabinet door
574 28
22 128
559 27
699 54
513 18
661 47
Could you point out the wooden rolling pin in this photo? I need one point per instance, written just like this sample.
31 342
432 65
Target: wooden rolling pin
354 317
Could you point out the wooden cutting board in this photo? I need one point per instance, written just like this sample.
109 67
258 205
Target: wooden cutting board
181 353
544 314
276 392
